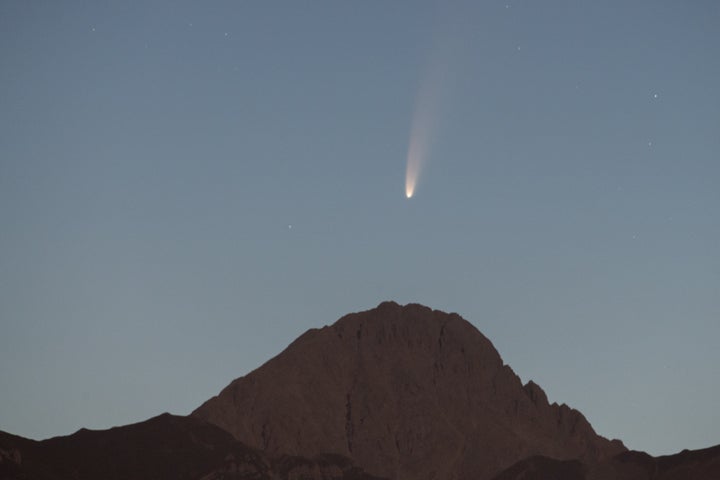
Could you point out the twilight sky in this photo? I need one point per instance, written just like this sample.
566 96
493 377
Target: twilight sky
186 186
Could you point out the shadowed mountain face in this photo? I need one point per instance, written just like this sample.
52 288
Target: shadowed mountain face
686 465
164 447
407 393
402 393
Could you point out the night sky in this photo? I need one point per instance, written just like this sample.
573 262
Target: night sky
185 187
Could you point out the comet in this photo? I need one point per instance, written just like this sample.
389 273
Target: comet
417 151
423 123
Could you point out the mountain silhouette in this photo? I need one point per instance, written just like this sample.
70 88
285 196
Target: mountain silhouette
164 447
406 392
396 392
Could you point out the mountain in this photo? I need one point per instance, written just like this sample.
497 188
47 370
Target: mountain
393 393
631 465
165 447
406 392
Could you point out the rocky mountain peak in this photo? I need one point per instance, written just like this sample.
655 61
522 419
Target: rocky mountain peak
406 392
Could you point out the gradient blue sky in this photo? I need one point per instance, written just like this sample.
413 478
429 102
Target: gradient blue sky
185 187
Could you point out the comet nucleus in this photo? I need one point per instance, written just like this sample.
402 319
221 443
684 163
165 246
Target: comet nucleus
413 166
422 130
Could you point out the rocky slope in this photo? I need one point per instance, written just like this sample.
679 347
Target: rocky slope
407 393
171 448
400 393
165 447
687 465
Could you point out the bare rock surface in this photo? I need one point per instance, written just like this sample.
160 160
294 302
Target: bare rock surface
394 393
407 393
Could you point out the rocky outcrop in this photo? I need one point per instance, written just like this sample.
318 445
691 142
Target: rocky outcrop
407 393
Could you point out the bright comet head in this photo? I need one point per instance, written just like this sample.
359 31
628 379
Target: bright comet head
423 122
420 136
409 190
416 152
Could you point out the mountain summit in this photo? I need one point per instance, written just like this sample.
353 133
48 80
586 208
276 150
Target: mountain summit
406 392
393 393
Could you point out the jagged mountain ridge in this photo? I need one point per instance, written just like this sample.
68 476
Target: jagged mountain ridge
406 392
182 448
411 370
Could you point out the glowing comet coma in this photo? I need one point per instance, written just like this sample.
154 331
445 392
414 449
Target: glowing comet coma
422 129
417 151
